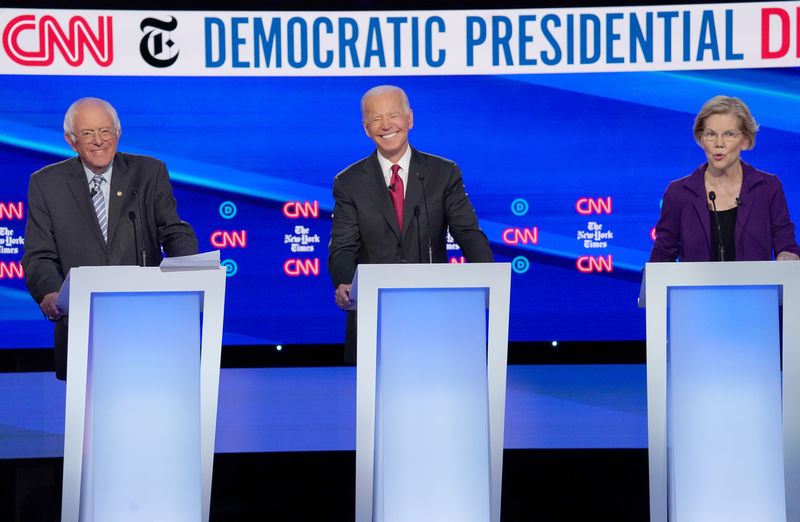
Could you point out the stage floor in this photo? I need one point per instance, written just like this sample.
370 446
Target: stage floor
589 406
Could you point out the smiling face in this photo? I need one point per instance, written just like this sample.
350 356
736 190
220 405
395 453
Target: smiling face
723 141
387 123
95 152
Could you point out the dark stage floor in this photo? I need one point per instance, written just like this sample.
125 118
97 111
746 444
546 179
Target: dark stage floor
547 485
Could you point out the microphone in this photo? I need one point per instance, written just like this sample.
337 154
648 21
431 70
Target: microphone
739 202
136 217
720 247
391 187
93 192
421 179
419 236
132 217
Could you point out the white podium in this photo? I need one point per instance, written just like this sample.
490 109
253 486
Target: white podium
723 407
142 384
431 385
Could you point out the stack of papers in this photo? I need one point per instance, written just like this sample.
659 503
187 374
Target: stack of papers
202 261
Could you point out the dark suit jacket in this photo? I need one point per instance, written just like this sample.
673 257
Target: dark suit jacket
763 227
62 229
365 228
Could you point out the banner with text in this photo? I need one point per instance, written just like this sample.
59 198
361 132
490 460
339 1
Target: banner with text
357 43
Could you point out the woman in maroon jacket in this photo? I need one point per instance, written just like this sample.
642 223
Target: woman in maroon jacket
725 210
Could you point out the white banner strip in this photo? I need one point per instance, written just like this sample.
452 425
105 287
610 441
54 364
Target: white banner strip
380 43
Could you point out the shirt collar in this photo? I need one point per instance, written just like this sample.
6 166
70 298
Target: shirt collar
106 173
386 165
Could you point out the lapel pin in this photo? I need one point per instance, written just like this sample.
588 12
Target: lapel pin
119 193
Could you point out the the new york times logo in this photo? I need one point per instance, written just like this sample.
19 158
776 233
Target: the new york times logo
156 46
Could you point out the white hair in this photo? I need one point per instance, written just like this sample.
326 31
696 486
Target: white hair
70 115
381 89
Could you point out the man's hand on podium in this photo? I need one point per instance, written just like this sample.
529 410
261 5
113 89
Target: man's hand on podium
48 306
342 296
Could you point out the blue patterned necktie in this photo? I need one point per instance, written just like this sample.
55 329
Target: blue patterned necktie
99 204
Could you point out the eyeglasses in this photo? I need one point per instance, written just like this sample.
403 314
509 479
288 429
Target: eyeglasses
727 137
87 136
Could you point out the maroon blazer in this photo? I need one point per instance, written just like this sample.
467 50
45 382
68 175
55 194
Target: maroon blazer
763 228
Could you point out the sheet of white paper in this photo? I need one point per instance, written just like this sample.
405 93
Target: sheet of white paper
62 301
202 261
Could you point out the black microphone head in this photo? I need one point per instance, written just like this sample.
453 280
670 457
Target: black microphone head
391 187
739 202
712 196
132 215
416 211
420 176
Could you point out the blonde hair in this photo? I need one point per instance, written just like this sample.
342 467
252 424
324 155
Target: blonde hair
727 105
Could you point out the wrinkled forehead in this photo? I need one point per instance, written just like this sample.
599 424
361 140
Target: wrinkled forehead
384 103
728 119
92 114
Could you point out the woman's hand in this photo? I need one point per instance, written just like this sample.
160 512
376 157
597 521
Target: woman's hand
787 256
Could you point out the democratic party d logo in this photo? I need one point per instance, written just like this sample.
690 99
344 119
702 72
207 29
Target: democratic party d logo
156 46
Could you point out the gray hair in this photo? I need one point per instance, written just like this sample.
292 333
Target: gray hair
381 89
68 117
727 105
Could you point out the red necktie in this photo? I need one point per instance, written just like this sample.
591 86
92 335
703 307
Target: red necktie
396 191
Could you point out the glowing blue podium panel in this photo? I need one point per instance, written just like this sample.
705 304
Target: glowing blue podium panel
144 373
430 391
724 405
432 359
722 418
142 383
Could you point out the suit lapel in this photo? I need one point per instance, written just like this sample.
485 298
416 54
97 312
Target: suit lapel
374 182
750 178
120 178
79 187
413 191
696 184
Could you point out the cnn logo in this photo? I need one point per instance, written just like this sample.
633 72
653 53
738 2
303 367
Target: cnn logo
589 264
587 206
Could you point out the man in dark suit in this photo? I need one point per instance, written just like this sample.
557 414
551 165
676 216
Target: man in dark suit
390 206
102 207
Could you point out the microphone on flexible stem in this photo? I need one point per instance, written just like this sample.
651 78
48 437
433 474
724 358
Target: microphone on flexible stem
720 247
419 236
421 179
136 217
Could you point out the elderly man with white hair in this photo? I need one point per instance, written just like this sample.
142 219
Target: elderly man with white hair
101 207
397 204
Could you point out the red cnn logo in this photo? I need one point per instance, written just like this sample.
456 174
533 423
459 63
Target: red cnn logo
515 236
295 209
588 206
51 35
458 260
587 264
11 270
11 210
225 239
296 267
783 18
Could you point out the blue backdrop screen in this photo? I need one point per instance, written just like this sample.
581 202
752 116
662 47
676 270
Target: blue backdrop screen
566 173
